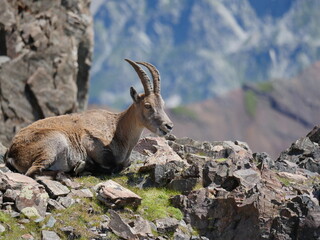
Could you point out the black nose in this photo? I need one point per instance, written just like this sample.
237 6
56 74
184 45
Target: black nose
169 126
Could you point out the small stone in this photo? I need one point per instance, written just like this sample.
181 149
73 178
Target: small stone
51 222
49 235
82 193
30 212
66 201
27 236
167 225
54 204
14 214
24 221
2 228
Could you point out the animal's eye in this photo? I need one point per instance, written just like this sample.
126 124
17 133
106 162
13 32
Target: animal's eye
147 106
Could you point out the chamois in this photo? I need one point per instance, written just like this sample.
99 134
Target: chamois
94 139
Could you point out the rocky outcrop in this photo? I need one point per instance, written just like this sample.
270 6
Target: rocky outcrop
305 152
45 56
223 190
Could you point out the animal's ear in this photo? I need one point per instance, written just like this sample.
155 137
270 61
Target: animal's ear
134 95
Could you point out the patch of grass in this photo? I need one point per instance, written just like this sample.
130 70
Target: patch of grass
88 181
184 112
197 186
13 229
284 181
250 103
221 159
156 204
79 217
265 86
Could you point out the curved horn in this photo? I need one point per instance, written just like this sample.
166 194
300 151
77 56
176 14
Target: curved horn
155 76
142 75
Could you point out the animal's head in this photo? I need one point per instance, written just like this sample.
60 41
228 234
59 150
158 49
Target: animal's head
150 105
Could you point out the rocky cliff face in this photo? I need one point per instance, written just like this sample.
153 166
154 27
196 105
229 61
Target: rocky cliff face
222 189
45 56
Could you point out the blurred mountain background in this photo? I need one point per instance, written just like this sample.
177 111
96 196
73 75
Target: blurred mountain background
230 69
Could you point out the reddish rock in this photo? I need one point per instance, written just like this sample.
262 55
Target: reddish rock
114 195
14 181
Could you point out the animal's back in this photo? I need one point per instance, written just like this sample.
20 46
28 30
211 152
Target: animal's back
54 142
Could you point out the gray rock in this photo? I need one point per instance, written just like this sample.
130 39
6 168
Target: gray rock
82 193
49 235
114 195
158 152
51 221
54 205
141 226
120 227
314 135
183 185
247 177
54 188
66 201
166 225
2 228
10 195
264 160
32 196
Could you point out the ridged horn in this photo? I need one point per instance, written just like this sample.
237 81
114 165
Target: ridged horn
155 76
142 75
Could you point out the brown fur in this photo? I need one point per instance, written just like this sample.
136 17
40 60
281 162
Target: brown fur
96 139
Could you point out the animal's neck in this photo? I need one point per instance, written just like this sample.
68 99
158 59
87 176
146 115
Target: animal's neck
129 128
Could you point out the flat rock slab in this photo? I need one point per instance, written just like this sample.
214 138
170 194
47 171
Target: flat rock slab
114 195
32 196
15 181
82 193
297 178
54 188
49 235
120 227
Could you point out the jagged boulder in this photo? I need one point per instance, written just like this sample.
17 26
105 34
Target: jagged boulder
305 152
45 56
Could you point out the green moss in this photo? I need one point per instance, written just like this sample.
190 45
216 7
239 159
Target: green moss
250 102
265 86
221 159
284 181
183 111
